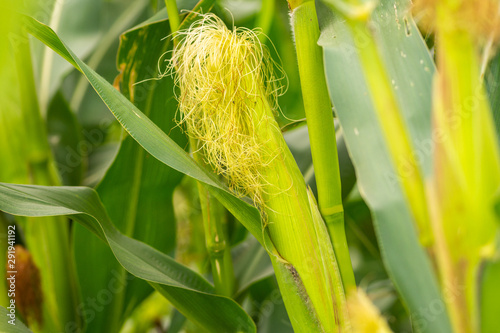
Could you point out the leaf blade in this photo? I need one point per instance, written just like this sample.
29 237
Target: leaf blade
176 282
400 45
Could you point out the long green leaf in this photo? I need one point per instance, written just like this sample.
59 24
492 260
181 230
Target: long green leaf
410 68
190 293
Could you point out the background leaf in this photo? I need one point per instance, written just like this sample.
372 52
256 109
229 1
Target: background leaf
66 141
251 264
298 142
492 80
95 27
410 68
490 294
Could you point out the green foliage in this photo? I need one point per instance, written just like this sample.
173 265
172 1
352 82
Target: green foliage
401 45
188 291
140 236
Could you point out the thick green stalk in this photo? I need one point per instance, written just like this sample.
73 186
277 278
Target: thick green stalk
48 241
321 132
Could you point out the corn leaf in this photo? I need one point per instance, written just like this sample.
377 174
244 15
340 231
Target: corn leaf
410 68
190 293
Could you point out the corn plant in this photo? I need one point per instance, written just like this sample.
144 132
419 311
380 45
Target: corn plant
300 166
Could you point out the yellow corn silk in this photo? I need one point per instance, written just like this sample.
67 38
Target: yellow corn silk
466 159
228 98
365 317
